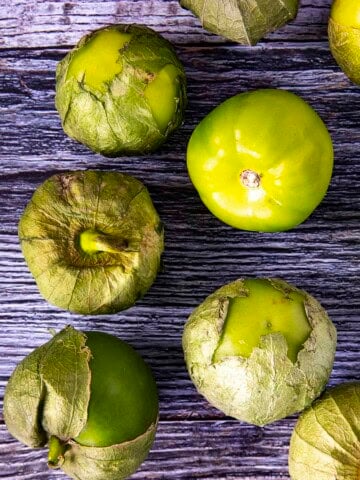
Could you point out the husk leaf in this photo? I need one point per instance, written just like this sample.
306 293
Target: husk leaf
243 21
266 386
120 121
325 443
114 204
38 402
345 46
116 462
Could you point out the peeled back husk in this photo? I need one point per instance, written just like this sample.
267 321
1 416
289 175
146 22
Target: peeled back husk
266 386
345 46
117 118
325 444
48 395
243 21
115 213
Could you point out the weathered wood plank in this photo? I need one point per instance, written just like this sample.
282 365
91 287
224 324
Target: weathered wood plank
223 449
29 23
27 101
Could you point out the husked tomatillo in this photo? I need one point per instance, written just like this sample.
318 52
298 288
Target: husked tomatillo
344 36
259 349
121 90
92 240
325 443
90 398
242 21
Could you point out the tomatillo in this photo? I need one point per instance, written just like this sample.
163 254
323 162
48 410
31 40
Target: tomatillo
259 349
344 36
121 90
88 396
261 160
92 240
325 443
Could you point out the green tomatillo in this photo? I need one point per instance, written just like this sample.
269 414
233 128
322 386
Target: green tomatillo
121 90
325 444
259 349
261 160
88 396
243 21
344 36
92 240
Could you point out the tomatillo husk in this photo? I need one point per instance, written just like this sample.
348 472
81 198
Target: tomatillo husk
121 90
325 444
49 401
243 357
92 240
243 21
344 36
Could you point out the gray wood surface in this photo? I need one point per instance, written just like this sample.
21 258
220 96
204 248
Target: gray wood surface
322 256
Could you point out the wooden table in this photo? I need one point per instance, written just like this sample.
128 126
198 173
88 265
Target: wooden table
194 440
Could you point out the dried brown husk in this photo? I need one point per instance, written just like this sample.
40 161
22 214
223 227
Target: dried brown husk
345 46
325 444
114 204
243 21
48 395
267 386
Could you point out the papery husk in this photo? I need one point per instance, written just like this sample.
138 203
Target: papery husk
325 444
345 46
243 21
120 121
38 400
116 462
117 205
48 395
267 386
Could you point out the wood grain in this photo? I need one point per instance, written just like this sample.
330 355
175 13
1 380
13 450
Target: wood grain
322 255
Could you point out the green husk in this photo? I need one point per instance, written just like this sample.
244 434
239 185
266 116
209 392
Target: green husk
267 386
243 21
325 444
46 402
345 46
37 402
116 206
120 120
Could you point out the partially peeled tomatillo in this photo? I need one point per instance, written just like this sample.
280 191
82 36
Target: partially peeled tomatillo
88 396
344 36
121 90
261 160
92 240
259 349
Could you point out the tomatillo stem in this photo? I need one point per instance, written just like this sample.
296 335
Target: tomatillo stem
56 453
92 242
250 178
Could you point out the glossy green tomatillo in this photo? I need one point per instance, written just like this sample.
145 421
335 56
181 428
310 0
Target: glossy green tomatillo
261 160
88 396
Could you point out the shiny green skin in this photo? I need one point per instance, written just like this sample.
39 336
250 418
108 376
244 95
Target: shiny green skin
275 134
344 36
123 400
